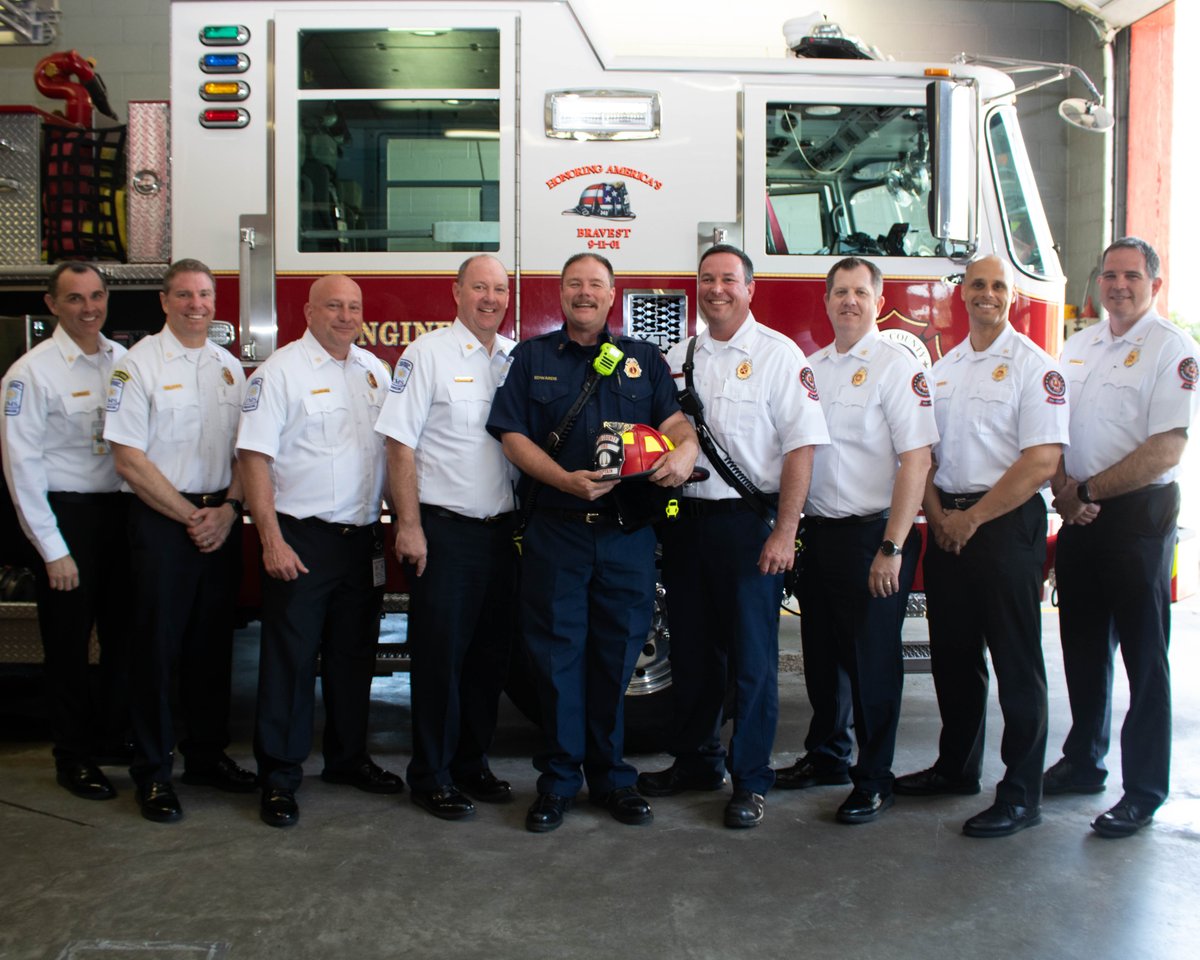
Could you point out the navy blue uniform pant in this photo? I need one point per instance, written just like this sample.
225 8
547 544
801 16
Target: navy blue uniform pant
333 610
724 619
460 630
853 659
989 596
587 598
88 719
1114 587
182 628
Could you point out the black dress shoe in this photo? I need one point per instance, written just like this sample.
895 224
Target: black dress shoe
368 776
486 787
223 774
158 802
279 808
448 803
626 805
1065 777
84 779
546 813
1123 820
744 809
804 774
667 783
930 783
1002 819
863 806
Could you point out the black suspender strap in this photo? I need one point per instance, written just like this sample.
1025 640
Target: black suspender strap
727 469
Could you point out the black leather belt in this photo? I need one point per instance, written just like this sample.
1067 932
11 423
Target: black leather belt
960 501
695 507
606 518
206 499
845 521
451 515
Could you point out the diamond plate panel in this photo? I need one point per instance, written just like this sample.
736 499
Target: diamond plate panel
657 316
148 196
20 189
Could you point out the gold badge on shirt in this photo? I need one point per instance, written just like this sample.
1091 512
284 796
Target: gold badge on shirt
860 377
1000 372
227 376
744 369
1132 357
633 369
371 381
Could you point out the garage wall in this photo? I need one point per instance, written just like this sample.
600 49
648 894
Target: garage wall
129 39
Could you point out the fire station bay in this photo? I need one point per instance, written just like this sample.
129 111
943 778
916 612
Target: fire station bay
584 478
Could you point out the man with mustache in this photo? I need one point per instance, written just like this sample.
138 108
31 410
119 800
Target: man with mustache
587 586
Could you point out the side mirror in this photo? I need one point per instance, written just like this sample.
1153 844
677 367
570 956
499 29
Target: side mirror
952 113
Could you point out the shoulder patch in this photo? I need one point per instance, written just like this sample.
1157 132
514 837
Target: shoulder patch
808 382
920 386
404 369
13 398
1188 373
1055 387
504 373
253 391
116 387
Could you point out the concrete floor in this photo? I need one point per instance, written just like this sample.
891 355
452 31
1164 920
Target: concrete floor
365 877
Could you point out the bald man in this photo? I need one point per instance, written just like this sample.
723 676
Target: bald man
313 469
1001 409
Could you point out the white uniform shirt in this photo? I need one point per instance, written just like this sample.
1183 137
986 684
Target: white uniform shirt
876 402
1126 389
438 405
179 407
760 401
50 435
315 416
992 404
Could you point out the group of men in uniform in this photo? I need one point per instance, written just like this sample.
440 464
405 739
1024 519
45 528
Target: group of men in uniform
767 452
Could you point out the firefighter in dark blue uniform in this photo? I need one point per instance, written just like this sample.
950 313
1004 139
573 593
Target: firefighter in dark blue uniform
587 592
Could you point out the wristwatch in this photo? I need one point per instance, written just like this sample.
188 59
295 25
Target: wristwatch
889 548
1083 493
238 508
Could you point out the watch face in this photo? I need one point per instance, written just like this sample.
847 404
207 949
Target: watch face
888 548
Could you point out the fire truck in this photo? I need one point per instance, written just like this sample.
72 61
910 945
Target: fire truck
390 140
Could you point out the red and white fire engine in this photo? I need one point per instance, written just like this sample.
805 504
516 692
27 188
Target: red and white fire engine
389 140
